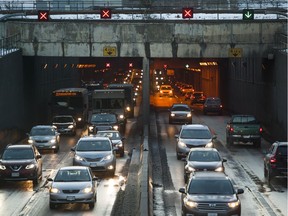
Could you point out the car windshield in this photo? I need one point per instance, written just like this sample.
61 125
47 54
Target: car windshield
62 119
204 156
180 108
103 118
94 145
72 175
165 88
42 132
215 101
111 135
210 186
282 150
18 154
195 134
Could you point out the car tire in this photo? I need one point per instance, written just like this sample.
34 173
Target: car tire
111 173
265 172
122 153
91 205
257 143
52 205
37 180
56 150
178 156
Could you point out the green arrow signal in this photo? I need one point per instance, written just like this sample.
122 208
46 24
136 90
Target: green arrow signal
248 14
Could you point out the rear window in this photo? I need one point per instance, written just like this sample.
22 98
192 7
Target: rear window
282 150
244 119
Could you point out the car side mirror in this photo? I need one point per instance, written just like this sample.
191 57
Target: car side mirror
182 190
176 136
38 156
73 149
224 160
214 137
49 179
95 178
240 191
123 138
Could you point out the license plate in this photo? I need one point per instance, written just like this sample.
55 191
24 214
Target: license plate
93 164
16 174
246 136
70 198
212 214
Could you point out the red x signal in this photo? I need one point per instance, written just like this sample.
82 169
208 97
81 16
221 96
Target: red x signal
187 13
43 16
105 13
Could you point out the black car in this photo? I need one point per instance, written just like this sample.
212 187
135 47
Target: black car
104 121
198 97
65 124
180 113
275 161
210 193
213 105
21 162
203 159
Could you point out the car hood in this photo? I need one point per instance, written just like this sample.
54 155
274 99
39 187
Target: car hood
63 123
93 154
212 198
196 142
180 112
42 137
205 164
76 185
17 162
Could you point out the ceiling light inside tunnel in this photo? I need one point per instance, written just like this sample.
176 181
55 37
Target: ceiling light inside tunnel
208 63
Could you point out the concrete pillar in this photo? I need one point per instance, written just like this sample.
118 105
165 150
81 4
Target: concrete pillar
146 91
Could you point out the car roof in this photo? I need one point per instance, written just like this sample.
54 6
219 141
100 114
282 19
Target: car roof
210 175
203 149
19 146
194 126
108 131
59 116
44 126
213 98
73 168
94 138
282 143
103 113
180 104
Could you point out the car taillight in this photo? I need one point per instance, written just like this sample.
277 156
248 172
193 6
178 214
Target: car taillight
260 129
273 160
231 129
221 106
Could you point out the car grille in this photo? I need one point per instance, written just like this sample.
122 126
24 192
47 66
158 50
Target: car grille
212 206
15 167
93 159
193 146
70 191
41 141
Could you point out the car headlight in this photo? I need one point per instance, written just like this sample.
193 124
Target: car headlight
219 169
108 157
209 145
119 144
128 109
53 141
30 141
71 126
190 203
30 166
54 190
121 116
79 119
87 189
91 128
77 157
115 127
172 115
189 115
2 167
181 144
189 168
234 204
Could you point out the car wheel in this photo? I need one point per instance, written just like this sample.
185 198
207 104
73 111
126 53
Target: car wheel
178 156
269 176
91 205
111 173
56 150
265 172
257 143
122 153
52 205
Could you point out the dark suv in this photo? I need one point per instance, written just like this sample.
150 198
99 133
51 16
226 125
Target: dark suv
210 193
103 121
275 161
21 162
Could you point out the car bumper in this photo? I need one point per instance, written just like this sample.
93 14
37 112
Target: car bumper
180 119
97 166
227 212
46 146
71 198
66 131
21 175
245 138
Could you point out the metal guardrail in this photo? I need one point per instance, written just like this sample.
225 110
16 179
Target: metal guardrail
161 5
9 44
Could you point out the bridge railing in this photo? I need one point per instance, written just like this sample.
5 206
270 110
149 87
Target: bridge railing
78 5
9 44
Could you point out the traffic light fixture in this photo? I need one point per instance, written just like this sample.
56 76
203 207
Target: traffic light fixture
187 13
43 15
105 13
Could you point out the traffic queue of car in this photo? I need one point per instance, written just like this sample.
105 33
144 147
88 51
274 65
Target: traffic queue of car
208 190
